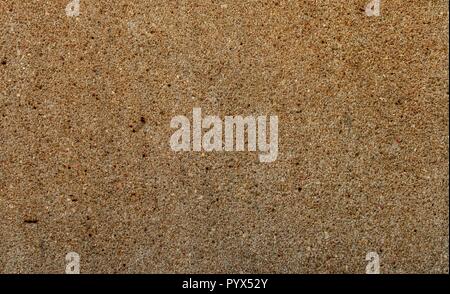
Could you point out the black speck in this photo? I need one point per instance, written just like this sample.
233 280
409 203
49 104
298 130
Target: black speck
31 221
142 119
4 61
299 189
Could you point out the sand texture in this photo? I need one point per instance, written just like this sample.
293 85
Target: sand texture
86 166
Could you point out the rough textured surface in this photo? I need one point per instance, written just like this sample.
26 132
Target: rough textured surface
85 163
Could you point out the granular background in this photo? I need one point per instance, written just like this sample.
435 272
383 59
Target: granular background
86 165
